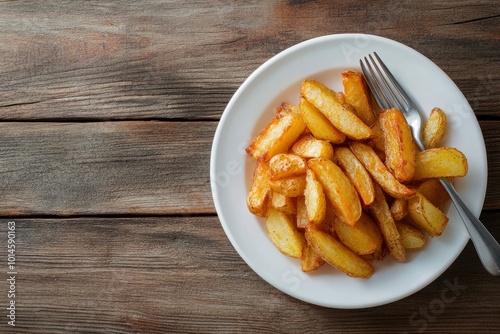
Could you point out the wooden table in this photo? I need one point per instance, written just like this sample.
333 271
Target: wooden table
107 115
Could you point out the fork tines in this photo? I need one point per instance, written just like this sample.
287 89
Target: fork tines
378 76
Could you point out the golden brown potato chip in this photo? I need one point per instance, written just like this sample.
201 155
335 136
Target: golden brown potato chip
285 165
433 190
291 186
377 141
278 136
301 212
440 162
337 254
318 124
379 171
357 173
308 146
357 94
325 101
399 208
260 190
310 259
426 215
338 189
399 145
315 199
284 234
382 215
283 203
362 238
434 128
411 237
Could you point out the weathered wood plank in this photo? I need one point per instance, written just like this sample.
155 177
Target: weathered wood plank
105 168
64 60
127 167
182 275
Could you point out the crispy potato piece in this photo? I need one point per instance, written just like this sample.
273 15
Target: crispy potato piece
340 96
284 234
399 208
434 191
318 124
315 199
337 254
382 215
411 237
285 165
426 215
310 259
308 146
377 141
379 171
362 238
283 203
260 190
338 189
399 145
434 128
325 101
291 186
357 173
440 162
278 135
301 212
357 94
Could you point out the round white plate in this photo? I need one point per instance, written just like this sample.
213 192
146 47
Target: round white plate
254 104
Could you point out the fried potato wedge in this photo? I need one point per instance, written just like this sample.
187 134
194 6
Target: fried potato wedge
315 199
362 238
426 215
338 189
337 254
379 171
411 237
440 162
377 141
318 124
357 173
283 203
260 190
357 94
399 208
325 101
310 259
382 215
308 146
433 190
278 136
285 165
434 128
291 186
399 145
301 214
284 234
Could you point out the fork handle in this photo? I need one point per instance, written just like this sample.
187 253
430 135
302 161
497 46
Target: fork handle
486 246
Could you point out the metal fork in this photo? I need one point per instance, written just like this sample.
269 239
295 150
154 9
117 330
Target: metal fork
389 93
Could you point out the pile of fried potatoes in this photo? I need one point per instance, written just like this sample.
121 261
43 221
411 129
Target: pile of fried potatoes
340 181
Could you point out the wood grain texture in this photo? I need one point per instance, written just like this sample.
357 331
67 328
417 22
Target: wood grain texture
105 168
174 60
181 275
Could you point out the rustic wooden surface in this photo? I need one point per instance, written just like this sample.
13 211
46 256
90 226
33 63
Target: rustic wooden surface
107 114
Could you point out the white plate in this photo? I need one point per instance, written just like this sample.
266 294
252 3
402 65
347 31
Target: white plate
253 105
